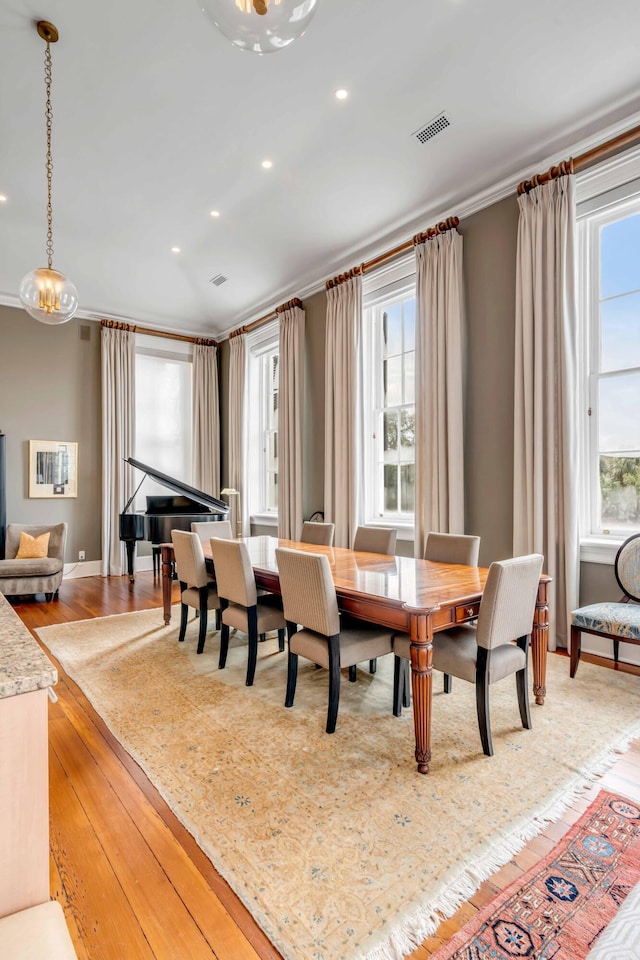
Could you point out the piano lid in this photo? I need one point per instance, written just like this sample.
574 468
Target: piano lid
178 487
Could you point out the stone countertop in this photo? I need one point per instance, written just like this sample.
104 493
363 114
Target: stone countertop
23 665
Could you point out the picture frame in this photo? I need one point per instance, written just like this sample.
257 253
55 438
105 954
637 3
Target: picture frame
53 469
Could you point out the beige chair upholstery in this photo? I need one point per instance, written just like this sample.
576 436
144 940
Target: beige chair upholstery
485 654
318 533
21 577
241 607
197 588
376 540
452 548
214 528
37 933
309 599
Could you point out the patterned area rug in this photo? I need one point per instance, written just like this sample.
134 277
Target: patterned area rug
561 907
339 849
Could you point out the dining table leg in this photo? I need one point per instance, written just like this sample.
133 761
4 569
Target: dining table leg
422 686
540 642
166 553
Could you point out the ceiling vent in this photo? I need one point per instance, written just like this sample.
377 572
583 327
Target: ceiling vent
433 128
219 280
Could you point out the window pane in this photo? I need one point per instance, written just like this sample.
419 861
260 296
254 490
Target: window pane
620 332
620 489
620 257
390 487
409 378
272 491
390 431
408 428
409 324
392 381
619 421
392 329
407 487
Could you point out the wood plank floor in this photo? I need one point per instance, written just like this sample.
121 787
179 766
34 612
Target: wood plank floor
132 881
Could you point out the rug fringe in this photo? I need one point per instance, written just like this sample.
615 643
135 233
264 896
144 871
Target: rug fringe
423 922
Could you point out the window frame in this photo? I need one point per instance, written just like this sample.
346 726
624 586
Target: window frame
260 344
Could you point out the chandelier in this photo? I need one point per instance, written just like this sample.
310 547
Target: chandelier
46 294
261 26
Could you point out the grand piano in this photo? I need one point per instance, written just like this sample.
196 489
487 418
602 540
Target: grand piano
165 513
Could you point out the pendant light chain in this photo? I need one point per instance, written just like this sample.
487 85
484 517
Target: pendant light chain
49 164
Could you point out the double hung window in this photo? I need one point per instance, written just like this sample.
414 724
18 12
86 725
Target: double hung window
262 455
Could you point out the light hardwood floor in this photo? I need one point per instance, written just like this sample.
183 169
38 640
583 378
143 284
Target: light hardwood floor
132 881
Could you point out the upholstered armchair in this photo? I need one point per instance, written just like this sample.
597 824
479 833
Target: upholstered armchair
23 571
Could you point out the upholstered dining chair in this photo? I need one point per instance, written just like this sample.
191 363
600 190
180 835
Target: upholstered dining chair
214 528
241 607
375 540
484 653
618 621
197 588
313 625
318 533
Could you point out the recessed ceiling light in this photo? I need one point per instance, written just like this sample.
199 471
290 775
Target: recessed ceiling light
342 94
175 249
3 198
215 213
267 164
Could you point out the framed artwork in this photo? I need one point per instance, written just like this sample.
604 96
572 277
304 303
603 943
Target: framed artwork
53 468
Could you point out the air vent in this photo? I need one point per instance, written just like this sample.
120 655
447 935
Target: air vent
85 332
432 129
218 281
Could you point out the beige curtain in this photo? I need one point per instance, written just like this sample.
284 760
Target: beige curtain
439 398
206 419
237 432
118 440
545 509
343 431
290 414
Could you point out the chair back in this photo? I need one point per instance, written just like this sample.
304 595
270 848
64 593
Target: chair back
452 548
375 540
509 600
212 528
627 567
319 533
308 592
57 538
190 563
235 579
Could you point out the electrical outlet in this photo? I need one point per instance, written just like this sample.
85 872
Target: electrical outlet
80 554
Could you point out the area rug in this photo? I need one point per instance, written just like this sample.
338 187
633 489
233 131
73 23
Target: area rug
337 846
561 907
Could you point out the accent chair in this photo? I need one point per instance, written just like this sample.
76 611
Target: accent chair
36 574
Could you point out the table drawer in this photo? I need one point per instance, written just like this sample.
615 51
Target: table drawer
467 611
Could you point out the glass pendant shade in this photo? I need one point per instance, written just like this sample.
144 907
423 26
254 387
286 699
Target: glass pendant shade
48 296
262 26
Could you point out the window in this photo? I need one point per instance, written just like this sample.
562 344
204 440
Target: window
609 236
163 411
389 395
262 456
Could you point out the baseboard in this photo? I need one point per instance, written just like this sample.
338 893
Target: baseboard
93 568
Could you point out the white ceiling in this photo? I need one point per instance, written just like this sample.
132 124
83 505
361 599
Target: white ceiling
158 119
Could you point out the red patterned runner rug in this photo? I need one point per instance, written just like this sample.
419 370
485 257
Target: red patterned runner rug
560 907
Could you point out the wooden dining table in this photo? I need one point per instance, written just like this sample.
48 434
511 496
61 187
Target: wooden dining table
416 597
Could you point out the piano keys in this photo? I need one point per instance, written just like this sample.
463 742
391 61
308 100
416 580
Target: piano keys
165 513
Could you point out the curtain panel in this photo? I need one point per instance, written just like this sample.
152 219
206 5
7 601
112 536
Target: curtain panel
237 432
545 503
206 419
290 414
343 427
439 482
118 440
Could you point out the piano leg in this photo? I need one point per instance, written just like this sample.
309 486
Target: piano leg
131 552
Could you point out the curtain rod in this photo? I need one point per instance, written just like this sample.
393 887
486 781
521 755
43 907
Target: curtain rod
289 305
584 160
118 325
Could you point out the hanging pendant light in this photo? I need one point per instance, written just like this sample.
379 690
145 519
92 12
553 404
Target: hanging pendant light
262 26
46 294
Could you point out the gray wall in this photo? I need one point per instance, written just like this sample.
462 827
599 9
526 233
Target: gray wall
50 390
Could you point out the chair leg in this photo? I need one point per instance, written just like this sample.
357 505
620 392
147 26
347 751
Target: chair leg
184 613
218 618
224 646
48 597
522 686
334 682
398 685
202 634
352 674
482 700
292 668
616 651
373 665
576 642
406 683
448 683
281 641
252 616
